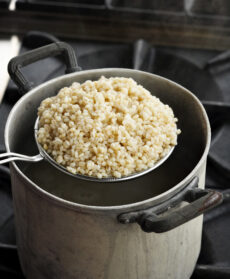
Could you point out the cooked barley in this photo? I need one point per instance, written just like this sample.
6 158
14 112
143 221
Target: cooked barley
109 127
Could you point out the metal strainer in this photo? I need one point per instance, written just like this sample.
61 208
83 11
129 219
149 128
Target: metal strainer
68 54
11 156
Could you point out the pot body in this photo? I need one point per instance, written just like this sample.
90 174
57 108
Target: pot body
59 242
61 238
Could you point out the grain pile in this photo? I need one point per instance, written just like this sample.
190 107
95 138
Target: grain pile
111 127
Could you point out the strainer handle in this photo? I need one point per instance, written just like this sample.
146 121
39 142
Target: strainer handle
171 214
54 49
11 156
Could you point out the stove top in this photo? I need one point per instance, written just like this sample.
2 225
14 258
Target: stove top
205 73
186 23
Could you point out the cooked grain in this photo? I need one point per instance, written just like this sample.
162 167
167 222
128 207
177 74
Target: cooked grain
109 127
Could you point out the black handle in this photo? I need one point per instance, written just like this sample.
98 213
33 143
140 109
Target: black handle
170 214
58 48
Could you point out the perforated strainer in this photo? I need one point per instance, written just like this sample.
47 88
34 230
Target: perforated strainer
43 155
68 54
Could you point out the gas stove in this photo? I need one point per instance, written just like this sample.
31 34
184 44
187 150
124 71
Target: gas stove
190 23
205 72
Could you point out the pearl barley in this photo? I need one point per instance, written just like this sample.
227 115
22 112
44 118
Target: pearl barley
109 127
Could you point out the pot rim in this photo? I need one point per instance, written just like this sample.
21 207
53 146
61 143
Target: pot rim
117 208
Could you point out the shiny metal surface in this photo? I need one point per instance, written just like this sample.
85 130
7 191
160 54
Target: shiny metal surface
12 156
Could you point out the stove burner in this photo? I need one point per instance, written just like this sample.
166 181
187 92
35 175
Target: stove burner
203 72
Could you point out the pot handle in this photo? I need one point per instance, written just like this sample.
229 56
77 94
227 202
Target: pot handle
57 48
171 214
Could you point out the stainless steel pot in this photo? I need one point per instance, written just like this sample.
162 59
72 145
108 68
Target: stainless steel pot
72 228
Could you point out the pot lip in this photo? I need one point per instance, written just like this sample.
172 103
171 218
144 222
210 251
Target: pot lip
117 208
